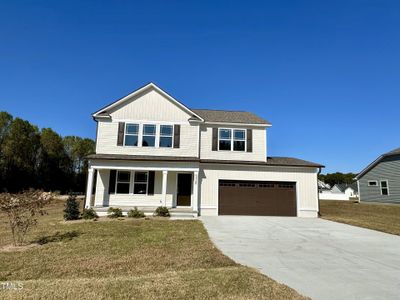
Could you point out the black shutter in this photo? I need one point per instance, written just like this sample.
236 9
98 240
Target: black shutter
111 183
121 131
215 139
249 140
150 188
177 136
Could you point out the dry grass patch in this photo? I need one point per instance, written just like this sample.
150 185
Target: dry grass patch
146 259
381 217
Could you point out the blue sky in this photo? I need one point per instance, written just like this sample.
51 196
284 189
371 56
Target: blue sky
325 73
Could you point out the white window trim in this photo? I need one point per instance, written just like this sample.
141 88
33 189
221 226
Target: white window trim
172 135
132 182
147 182
125 134
370 181
116 182
387 187
233 139
156 134
140 133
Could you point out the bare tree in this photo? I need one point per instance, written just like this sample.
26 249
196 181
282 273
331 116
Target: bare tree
22 210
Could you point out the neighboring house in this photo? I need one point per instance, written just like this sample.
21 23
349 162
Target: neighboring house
323 187
350 190
380 180
151 150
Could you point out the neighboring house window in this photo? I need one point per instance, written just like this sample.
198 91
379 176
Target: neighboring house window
384 187
140 183
372 183
239 140
232 142
166 134
122 182
131 134
149 135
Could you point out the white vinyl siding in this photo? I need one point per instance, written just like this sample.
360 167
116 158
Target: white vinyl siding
107 142
150 106
102 198
259 152
305 178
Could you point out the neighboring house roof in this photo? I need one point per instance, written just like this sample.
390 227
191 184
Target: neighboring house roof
377 161
271 161
207 115
344 186
323 185
228 116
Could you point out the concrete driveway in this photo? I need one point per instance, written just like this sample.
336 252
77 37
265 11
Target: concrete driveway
320 259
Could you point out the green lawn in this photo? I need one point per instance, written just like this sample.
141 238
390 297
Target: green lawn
381 217
143 259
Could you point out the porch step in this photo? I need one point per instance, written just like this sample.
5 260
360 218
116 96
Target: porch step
176 213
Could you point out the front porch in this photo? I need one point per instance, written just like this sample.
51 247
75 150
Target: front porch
175 212
143 185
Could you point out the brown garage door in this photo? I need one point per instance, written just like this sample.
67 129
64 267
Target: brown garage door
257 198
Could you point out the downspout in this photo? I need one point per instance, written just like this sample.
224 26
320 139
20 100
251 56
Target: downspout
319 172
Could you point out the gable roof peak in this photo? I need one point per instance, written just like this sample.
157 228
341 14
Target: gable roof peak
103 112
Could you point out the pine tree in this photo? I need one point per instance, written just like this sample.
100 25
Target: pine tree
71 211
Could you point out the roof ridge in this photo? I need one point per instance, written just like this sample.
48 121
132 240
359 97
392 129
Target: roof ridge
221 110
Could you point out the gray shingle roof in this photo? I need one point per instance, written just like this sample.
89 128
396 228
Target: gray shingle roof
227 116
343 186
141 157
393 152
291 161
271 161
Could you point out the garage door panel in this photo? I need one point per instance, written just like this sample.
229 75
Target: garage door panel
257 198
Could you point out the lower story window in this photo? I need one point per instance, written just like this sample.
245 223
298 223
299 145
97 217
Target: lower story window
384 187
140 183
123 180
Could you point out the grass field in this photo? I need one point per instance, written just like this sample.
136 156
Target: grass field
140 259
381 217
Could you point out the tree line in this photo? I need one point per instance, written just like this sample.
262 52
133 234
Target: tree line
336 178
41 159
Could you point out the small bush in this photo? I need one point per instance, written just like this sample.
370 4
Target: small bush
135 213
71 211
114 212
162 211
89 214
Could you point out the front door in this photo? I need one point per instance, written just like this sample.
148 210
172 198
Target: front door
184 190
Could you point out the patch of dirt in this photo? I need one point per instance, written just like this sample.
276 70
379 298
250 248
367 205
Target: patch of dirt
12 248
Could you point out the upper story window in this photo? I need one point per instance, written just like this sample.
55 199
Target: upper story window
372 183
149 135
232 139
225 139
131 134
239 140
166 134
384 187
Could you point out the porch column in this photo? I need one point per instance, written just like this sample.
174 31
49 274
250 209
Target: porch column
164 187
195 204
89 187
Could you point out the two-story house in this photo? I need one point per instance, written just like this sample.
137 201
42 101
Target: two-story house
152 150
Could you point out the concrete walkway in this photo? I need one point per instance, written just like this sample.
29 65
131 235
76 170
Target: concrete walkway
318 258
